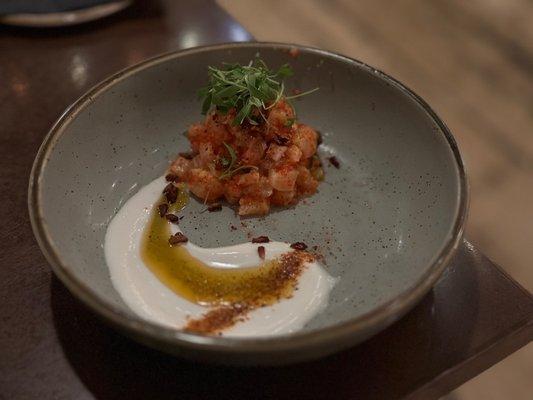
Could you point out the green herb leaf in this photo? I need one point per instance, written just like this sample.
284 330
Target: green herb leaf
232 154
231 164
289 122
207 103
285 71
243 113
224 162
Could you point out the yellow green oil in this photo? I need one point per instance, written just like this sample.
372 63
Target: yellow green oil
197 282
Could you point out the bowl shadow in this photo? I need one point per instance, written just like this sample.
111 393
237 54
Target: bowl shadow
388 365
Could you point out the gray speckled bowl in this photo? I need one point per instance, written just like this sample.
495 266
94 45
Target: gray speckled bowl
387 221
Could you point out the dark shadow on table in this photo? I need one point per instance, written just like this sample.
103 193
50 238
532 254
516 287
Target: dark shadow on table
389 365
139 9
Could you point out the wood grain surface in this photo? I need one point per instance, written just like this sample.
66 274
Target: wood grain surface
473 62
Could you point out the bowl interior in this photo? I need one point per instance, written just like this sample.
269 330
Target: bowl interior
381 219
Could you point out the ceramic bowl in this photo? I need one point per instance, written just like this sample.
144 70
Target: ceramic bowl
388 220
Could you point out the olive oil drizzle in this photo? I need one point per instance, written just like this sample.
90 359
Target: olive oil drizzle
197 282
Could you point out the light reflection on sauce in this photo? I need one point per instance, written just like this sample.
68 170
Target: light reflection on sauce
199 283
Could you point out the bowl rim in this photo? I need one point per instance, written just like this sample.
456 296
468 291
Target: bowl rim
385 313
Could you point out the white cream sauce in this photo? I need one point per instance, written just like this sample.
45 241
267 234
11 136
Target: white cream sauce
142 291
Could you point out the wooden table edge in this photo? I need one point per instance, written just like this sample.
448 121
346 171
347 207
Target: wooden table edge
458 374
488 356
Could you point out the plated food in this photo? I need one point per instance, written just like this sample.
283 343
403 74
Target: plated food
252 152
387 221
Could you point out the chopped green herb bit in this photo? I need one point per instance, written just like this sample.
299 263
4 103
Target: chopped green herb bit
232 167
290 122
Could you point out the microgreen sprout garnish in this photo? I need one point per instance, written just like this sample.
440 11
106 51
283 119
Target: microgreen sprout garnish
233 158
249 89
231 164
295 96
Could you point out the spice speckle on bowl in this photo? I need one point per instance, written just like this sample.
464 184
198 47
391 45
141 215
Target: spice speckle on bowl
386 243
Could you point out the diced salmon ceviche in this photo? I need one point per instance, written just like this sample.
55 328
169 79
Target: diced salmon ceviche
267 161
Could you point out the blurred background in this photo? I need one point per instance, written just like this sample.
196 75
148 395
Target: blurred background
473 62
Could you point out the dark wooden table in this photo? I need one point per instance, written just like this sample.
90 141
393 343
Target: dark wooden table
51 347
